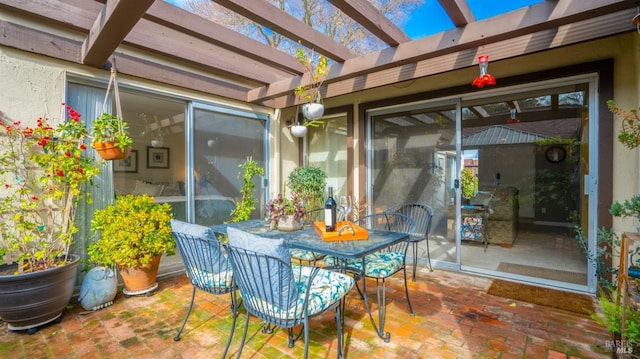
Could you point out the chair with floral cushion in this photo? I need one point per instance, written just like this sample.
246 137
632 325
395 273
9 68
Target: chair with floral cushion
422 214
279 293
385 263
206 264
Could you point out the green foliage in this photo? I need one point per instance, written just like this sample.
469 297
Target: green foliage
309 183
318 68
628 208
246 205
133 231
629 134
281 206
44 170
110 128
607 239
469 183
611 318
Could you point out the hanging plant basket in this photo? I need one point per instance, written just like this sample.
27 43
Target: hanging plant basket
313 111
299 130
108 151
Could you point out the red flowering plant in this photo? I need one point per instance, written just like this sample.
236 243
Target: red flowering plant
43 171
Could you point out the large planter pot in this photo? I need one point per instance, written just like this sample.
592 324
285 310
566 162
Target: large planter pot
140 280
312 111
108 151
98 289
32 300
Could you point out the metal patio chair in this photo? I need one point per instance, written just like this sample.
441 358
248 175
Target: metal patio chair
280 294
302 255
422 214
207 266
385 263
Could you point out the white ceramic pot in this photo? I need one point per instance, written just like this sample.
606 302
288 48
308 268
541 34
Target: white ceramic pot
299 130
312 111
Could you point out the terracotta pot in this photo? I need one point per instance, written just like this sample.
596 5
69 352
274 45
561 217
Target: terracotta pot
140 280
312 111
108 151
34 299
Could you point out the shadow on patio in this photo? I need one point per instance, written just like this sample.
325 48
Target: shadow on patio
455 318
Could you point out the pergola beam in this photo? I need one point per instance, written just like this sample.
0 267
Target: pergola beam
536 18
112 25
373 20
279 21
458 11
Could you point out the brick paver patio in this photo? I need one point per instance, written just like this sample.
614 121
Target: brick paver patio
455 318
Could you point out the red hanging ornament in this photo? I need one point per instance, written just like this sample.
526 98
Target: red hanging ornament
484 78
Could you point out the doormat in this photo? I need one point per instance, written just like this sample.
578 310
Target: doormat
572 302
546 273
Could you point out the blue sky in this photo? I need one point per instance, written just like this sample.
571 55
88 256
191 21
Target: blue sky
430 18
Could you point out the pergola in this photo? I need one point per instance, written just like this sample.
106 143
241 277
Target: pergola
157 41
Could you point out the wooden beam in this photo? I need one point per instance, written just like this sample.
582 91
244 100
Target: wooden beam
458 11
535 18
113 23
38 42
277 20
373 20
180 20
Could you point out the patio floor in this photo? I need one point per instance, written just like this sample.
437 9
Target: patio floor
455 318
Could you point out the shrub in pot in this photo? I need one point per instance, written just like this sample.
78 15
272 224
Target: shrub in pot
286 214
309 182
43 169
110 137
133 233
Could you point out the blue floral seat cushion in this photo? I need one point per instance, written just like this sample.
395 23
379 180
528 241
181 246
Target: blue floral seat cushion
378 265
205 279
326 289
305 255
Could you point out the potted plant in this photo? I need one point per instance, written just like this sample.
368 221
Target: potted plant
309 182
44 170
629 134
286 214
110 137
134 233
246 205
155 129
318 68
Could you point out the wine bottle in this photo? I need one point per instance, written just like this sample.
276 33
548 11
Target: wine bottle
330 212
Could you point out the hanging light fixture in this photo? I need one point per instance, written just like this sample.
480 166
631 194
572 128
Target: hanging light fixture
484 78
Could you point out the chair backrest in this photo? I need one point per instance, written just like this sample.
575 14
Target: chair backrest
262 270
389 221
205 260
422 215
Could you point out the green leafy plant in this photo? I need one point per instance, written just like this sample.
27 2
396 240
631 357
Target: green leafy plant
44 170
132 232
246 205
318 68
629 134
309 183
469 183
611 317
628 208
110 128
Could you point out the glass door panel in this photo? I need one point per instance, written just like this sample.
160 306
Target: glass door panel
412 158
222 141
327 149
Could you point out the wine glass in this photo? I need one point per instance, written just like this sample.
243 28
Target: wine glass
345 207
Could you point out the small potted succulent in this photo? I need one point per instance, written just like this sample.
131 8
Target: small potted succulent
286 214
134 233
110 137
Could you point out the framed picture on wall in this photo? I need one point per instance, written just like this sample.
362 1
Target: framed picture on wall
157 157
129 164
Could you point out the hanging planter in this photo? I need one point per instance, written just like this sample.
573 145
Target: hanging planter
312 111
110 135
299 130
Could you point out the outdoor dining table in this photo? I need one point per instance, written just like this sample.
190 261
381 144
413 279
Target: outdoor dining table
308 239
